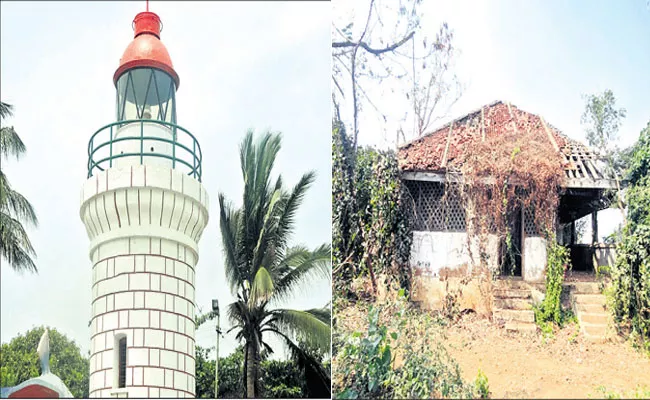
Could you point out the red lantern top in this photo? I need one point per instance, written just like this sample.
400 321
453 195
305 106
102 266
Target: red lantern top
146 49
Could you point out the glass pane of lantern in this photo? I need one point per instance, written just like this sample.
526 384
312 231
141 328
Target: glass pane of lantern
146 93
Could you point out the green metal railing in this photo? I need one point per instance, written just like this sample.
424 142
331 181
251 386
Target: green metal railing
181 154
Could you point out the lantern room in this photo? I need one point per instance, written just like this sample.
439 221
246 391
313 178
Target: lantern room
146 81
145 131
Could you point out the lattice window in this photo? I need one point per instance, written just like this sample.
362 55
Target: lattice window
454 210
434 209
529 223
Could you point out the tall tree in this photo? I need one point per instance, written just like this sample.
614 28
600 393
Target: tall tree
15 210
602 120
19 361
261 268
390 51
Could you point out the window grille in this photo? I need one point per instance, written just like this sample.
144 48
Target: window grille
529 223
121 380
435 209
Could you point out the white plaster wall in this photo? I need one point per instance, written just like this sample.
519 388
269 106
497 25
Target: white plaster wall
149 129
605 255
432 251
534 259
144 223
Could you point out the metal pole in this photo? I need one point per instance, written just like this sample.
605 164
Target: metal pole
216 365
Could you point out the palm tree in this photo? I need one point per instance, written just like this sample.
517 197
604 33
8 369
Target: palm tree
15 210
262 270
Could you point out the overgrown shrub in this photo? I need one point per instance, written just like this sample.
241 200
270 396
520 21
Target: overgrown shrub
557 262
370 230
629 297
638 393
367 369
482 385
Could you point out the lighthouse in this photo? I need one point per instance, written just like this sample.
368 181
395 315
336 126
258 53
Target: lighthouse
144 209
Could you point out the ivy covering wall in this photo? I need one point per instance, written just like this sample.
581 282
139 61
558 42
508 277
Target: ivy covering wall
370 229
630 294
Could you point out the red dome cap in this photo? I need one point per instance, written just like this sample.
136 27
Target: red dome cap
146 49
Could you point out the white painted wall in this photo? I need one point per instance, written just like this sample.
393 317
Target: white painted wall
432 251
144 223
133 146
534 259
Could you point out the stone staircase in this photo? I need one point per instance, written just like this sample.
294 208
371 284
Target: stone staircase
588 304
513 305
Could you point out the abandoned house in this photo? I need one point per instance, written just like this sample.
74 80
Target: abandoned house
440 238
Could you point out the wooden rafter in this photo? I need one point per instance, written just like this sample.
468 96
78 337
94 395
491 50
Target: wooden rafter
444 156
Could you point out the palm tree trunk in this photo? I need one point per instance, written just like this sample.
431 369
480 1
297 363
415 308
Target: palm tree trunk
251 371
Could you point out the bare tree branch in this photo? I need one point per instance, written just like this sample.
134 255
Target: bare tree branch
369 49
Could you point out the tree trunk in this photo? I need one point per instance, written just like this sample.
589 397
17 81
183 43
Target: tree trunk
251 371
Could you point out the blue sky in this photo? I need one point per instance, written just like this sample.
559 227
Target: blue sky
541 56
241 65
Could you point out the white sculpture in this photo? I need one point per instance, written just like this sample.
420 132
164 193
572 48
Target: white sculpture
45 385
43 351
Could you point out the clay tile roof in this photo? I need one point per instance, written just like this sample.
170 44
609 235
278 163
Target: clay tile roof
440 150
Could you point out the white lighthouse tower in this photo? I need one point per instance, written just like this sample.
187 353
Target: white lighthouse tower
144 209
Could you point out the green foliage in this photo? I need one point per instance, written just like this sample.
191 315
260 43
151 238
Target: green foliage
367 367
550 310
640 158
282 379
261 268
431 373
231 384
15 211
19 361
602 119
629 296
367 360
278 378
638 393
370 229
482 385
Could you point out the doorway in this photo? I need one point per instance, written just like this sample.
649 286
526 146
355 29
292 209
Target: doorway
510 249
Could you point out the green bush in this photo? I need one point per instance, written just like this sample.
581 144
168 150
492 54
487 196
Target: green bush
482 386
550 310
370 227
367 368
629 296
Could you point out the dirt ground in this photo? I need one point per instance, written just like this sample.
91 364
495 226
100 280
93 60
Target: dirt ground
565 366
528 366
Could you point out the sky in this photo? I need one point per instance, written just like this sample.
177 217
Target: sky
541 56
241 65
268 65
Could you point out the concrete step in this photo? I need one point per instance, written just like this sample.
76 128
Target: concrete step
590 308
512 293
512 303
594 332
514 315
583 287
509 283
593 318
527 327
589 299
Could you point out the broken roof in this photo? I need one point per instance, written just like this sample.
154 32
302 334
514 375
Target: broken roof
439 151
